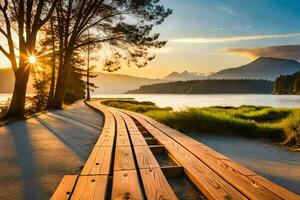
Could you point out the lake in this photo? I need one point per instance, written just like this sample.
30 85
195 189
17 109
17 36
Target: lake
4 97
181 101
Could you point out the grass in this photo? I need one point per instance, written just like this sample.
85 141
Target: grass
132 105
272 124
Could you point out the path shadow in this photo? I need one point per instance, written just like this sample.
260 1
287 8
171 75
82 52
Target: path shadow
61 136
25 158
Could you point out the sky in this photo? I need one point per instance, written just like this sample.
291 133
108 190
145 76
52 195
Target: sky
210 35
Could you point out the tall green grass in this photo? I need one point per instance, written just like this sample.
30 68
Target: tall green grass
273 124
140 107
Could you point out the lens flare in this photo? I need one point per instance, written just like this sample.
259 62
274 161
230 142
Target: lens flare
32 59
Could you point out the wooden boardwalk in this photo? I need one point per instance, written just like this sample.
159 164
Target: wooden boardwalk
135 157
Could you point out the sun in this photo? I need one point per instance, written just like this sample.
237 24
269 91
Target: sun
32 59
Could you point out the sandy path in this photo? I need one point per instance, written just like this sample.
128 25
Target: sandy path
35 154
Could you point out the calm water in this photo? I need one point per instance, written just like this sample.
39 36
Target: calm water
4 97
182 101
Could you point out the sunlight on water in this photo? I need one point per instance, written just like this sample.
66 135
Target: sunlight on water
5 97
183 101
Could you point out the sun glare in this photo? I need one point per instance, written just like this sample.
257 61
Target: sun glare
32 59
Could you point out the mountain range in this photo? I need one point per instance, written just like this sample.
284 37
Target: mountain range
184 76
262 68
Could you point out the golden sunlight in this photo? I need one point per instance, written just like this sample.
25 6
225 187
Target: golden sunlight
32 59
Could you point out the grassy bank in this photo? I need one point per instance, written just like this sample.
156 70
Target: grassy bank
272 124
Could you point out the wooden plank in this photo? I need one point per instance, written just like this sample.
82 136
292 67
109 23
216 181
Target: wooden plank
123 140
126 185
124 159
91 187
145 158
138 140
156 185
65 188
98 162
235 175
241 169
280 191
105 141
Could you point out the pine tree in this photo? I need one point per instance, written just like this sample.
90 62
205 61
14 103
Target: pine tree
41 84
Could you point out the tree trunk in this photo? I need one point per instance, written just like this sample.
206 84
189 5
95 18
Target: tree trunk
61 82
88 95
17 105
51 91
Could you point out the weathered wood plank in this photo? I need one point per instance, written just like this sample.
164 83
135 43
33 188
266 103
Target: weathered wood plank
280 191
91 187
105 141
123 140
124 159
126 185
145 158
98 162
65 188
156 185
138 140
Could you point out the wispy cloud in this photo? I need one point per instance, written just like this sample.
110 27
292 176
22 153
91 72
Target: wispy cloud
288 52
234 39
227 10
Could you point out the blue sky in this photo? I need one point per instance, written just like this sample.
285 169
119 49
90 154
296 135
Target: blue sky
210 35
202 34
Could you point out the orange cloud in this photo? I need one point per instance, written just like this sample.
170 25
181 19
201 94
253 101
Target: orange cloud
288 52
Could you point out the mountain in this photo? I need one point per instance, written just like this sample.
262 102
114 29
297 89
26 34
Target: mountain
289 84
117 83
210 86
184 76
261 68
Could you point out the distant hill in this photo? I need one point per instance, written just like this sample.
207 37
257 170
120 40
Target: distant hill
289 84
261 68
208 87
117 83
184 76
7 79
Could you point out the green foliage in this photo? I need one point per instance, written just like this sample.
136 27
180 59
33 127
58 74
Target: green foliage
41 82
289 84
75 86
292 130
273 124
140 107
